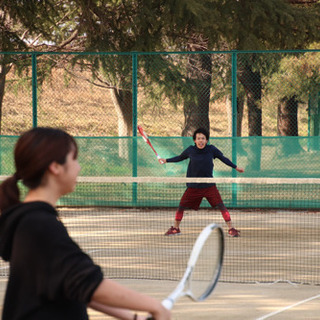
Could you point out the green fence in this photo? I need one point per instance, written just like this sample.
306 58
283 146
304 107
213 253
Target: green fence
262 108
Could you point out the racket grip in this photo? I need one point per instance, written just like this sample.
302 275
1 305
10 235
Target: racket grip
159 159
167 303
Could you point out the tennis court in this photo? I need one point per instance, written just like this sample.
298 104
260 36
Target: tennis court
277 249
271 271
129 243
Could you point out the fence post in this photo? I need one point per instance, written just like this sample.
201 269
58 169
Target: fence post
34 91
234 122
134 124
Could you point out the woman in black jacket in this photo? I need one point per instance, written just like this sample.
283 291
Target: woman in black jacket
50 276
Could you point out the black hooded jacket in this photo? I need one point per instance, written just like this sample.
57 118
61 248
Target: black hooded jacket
50 276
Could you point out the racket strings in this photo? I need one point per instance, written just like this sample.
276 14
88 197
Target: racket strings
206 269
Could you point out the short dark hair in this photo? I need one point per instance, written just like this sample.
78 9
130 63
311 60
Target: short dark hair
203 131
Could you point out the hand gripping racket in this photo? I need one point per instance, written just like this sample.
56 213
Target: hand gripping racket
204 267
147 140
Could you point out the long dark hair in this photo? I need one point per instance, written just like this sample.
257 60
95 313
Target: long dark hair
35 150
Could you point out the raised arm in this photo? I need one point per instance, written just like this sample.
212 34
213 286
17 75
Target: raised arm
218 154
184 155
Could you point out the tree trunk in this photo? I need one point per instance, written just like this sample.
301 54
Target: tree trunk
314 114
287 121
122 100
196 109
228 103
251 82
3 72
287 125
240 107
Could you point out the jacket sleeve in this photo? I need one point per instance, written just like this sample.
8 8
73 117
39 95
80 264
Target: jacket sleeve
61 268
218 154
184 155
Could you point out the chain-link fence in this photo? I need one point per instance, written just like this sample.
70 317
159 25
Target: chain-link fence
261 108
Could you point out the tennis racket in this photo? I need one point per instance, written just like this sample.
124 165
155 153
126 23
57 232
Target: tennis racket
204 267
147 140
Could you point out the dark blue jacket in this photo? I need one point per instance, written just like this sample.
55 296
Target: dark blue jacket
201 163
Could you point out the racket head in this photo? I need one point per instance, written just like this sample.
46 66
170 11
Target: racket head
143 134
206 261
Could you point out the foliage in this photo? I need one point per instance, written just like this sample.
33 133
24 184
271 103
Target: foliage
269 24
297 76
150 25
28 24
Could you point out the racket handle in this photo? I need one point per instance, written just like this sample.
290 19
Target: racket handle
159 159
167 303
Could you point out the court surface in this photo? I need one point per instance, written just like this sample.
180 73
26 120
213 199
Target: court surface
274 244
277 301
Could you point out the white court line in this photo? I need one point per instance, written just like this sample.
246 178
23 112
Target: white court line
93 251
288 307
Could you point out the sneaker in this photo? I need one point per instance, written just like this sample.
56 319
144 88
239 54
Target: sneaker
234 232
173 232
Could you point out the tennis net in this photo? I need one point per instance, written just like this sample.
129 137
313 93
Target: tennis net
120 222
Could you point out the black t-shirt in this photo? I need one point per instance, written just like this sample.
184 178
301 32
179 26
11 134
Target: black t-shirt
50 276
